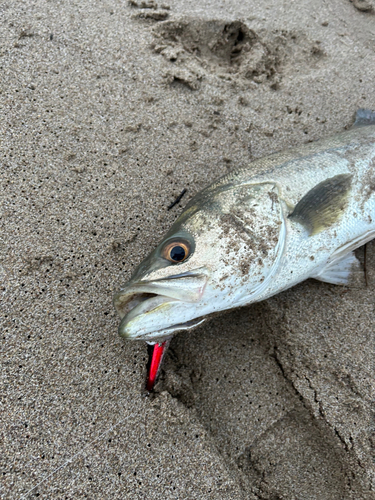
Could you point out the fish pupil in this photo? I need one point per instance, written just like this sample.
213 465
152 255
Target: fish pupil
177 253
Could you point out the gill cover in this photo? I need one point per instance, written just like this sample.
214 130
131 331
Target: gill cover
252 234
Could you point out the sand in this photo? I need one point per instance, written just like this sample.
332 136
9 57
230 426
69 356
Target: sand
109 110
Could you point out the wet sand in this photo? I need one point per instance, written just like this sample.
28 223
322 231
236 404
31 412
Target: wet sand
109 110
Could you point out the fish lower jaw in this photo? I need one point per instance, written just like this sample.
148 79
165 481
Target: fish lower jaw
163 334
139 323
138 317
151 316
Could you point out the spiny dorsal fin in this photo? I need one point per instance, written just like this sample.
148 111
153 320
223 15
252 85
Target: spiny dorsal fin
324 204
364 117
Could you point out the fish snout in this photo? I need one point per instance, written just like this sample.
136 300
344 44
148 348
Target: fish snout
145 306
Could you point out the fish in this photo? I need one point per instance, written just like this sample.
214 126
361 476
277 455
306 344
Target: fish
255 232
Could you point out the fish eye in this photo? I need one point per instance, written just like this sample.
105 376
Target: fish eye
176 251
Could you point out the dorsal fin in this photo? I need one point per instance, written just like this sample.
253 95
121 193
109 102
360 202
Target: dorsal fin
364 117
324 204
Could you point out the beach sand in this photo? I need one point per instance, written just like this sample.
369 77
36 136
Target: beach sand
109 110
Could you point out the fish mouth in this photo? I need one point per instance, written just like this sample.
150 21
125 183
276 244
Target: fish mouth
129 303
145 306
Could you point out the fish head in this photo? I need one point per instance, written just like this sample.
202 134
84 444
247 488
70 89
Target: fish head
219 254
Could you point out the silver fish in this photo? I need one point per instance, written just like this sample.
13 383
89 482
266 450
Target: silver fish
290 216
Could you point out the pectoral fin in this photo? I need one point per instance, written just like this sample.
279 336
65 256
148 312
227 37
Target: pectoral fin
324 204
344 271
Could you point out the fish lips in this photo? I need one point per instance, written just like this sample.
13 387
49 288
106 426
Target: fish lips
149 307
